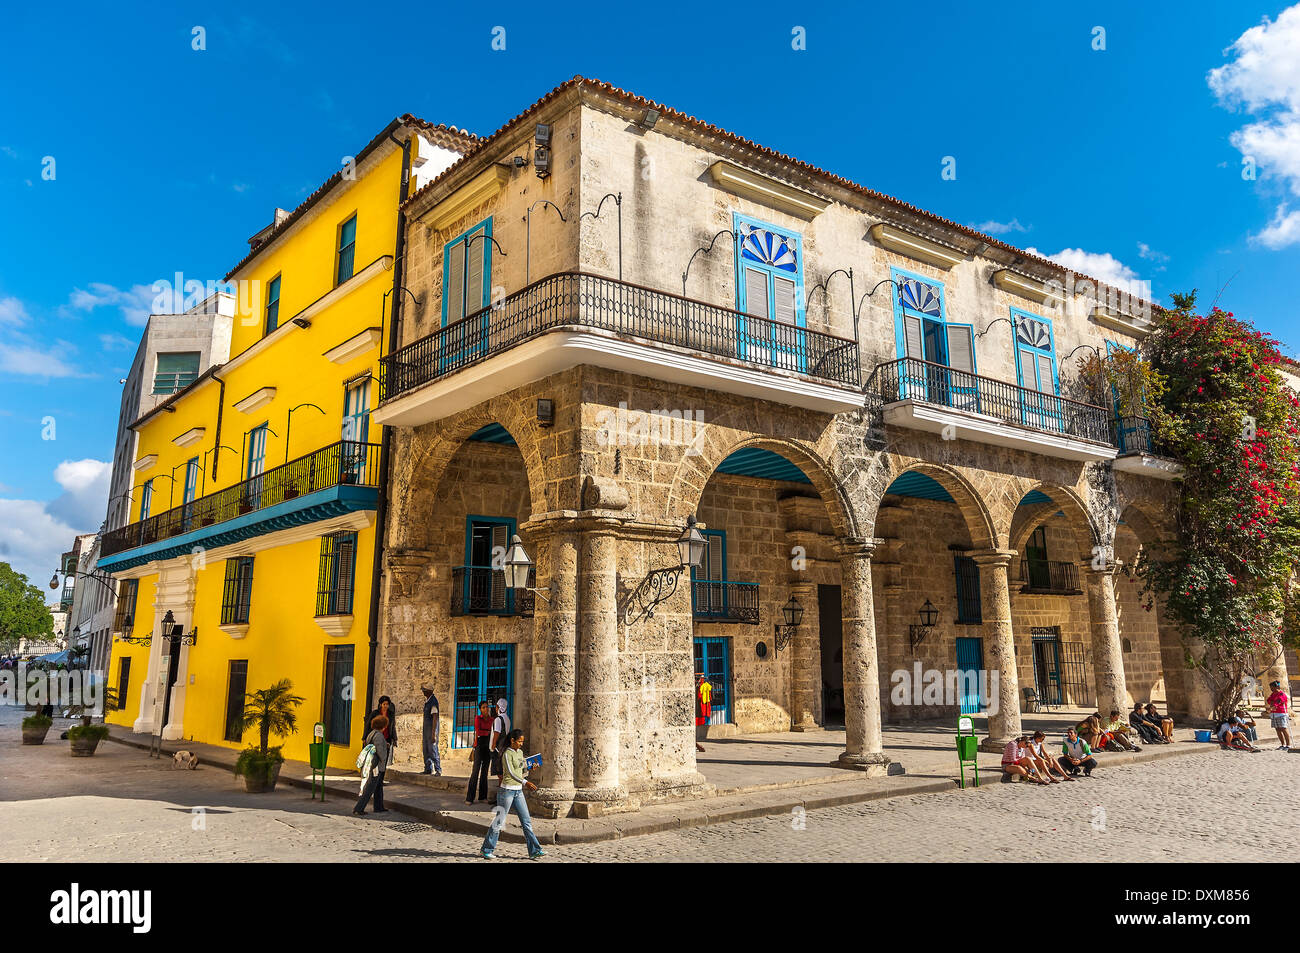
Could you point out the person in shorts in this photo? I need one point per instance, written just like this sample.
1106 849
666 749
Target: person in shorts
1279 704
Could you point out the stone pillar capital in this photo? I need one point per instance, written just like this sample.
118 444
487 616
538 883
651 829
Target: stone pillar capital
1107 568
993 557
857 546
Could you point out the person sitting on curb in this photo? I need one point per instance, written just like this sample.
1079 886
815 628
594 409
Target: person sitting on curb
1119 730
1089 731
1164 721
1278 704
1149 733
1232 736
1043 761
1016 761
1247 724
1076 755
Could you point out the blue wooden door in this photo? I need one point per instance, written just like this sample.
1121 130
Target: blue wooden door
713 661
970 661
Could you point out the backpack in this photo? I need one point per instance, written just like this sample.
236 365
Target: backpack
367 755
503 742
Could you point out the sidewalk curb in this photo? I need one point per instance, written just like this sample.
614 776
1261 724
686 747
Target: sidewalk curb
689 814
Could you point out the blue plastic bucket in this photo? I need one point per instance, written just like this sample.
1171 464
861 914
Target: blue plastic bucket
1203 735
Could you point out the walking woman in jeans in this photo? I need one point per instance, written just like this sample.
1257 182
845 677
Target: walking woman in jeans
514 779
482 754
374 778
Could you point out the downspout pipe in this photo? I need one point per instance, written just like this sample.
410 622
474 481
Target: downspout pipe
221 406
386 439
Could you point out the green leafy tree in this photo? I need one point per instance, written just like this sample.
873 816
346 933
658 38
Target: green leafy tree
22 609
1228 416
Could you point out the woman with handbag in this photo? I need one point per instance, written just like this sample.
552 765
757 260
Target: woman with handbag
481 756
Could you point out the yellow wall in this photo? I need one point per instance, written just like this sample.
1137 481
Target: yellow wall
283 640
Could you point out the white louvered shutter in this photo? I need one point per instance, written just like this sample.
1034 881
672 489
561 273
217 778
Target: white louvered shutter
455 289
1045 383
961 352
756 293
474 272
912 337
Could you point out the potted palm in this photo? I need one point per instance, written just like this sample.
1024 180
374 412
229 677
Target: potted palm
34 728
272 712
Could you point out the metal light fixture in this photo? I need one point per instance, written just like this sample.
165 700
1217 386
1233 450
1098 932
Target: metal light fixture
929 615
518 567
648 118
792 611
542 151
545 412
659 584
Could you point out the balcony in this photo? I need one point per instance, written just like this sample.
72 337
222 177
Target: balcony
1140 453
336 479
568 319
960 405
481 590
1045 577
717 601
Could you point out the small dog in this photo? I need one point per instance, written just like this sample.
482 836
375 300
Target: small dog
185 759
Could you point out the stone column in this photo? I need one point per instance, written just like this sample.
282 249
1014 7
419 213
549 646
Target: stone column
864 749
1000 647
806 662
555 649
597 710
1107 648
1200 699
1271 651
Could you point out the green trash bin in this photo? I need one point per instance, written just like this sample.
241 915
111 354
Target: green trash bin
318 755
966 747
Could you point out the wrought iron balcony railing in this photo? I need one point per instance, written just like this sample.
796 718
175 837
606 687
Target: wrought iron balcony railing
481 590
344 463
936 384
716 601
1049 578
576 300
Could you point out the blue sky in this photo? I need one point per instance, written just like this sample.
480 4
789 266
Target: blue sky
1125 161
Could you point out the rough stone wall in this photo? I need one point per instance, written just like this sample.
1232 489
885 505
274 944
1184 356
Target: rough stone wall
1138 627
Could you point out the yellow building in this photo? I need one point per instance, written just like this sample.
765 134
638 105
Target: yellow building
250 556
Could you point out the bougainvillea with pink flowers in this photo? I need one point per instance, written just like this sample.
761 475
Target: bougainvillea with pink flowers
1227 415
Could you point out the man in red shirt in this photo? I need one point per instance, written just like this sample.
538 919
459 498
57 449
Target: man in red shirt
1278 704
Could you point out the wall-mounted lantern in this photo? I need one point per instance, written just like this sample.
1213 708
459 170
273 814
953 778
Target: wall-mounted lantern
929 615
792 612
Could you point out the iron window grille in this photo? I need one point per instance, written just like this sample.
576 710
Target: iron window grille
124 617
337 578
967 573
238 592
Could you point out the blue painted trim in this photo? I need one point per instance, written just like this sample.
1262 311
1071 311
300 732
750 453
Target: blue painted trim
1017 313
492 433
919 486
900 347
311 508
483 226
470 520
762 464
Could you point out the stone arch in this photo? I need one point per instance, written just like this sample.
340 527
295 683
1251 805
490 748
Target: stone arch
421 457
1087 534
974 509
695 470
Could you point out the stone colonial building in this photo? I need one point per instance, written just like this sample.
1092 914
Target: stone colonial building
621 317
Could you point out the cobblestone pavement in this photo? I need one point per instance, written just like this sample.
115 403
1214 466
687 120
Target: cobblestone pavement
122 806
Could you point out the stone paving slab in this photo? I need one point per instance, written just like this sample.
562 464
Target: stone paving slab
757 776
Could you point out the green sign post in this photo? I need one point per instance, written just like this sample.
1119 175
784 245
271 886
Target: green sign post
967 746
319 753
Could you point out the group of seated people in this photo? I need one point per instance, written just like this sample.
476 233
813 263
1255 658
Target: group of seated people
1027 757
1144 722
1238 733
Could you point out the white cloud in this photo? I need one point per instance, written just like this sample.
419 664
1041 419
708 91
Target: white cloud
37 533
12 311
1264 79
1150 254
135 304
1100 265
1001 228
30 360
116 342
1282 231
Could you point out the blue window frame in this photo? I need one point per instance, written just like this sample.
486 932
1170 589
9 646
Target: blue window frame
346 251
467 290
484 672
337 576
256 464
1036 370
272 305
769 287
941 366
713 661
356 429
146 498
191 491
708 580
484 578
